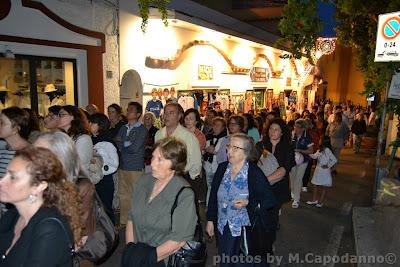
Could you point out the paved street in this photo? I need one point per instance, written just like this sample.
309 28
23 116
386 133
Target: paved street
327 231
313 232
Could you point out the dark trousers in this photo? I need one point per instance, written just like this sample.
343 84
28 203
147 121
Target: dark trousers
230 252
105 190
307 174
199 186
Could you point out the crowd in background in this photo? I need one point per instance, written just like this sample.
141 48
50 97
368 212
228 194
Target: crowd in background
224 156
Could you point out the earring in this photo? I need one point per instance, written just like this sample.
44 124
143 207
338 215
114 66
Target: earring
32 198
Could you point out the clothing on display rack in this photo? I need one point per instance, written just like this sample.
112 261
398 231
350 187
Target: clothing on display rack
240 105
248 104
223 99
186 102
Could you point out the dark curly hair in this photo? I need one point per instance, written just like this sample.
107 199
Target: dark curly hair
19 118
174 150
44 166
80 123
284 128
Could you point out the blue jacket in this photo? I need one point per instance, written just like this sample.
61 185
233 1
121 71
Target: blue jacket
132 156
259 192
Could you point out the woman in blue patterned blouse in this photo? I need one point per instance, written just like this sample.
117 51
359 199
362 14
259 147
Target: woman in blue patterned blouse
237 188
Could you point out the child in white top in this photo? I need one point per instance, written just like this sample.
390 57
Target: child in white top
322 177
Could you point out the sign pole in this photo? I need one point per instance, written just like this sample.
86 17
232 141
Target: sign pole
381 172
387 50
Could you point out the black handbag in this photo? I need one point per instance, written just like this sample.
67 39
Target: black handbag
194 252
258 238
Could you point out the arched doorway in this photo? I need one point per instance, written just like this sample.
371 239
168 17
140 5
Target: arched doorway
131 88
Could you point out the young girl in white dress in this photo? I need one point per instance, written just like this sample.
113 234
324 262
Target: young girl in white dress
322 178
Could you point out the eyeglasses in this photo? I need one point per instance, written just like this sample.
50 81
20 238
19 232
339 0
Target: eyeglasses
234 148
233 123
51 116
62 114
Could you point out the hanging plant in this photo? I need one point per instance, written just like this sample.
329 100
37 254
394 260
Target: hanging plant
300 27
144 9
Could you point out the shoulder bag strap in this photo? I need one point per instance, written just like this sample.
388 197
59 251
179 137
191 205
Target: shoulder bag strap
70 244
176 199
198 225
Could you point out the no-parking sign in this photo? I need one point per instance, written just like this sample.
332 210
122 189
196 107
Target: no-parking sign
388 38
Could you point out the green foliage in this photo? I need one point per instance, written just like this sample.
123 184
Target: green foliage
300 26
144 6
357 28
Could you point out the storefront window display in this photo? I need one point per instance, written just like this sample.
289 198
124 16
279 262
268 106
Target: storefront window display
203 98
258 98
54 80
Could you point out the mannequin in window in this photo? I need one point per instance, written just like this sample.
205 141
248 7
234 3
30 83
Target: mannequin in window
165 97
155 105
160 93
172 97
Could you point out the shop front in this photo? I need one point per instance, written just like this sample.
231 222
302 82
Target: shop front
54 79
205 66
46 60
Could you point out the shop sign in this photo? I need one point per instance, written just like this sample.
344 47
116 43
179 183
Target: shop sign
394 90
258 74
388 38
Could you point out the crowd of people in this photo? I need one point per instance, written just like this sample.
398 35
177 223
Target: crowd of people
240 166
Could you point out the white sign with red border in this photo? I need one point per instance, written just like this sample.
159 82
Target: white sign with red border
388 38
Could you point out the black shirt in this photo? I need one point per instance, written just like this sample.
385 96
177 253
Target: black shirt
42 243
284 154
113 131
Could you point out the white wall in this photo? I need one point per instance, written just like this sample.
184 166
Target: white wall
101 17
164 42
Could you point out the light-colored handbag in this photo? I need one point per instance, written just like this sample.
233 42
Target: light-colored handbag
268 164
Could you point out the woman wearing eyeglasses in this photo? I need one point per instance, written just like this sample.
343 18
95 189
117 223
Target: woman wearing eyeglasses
238 187
51 120
75 123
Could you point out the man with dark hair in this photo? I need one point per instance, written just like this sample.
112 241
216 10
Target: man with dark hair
172 116
131 140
